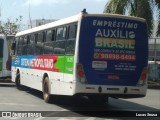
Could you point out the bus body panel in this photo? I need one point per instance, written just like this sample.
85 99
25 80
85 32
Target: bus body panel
113 51
58 68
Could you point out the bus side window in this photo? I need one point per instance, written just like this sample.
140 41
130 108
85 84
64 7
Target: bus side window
39 44
13 48
59 44
32 44
64 32
21 41
36 37
70 42
72 31
44 36
60 34
28 45
32 39
28 39
48 49
19 45
24 49
49 35
53 34
25 40
40 37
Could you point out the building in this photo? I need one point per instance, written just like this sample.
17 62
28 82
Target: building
154 45
38 22
154 55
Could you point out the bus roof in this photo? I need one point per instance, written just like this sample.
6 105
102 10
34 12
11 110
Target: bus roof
71 19
118 16
50 25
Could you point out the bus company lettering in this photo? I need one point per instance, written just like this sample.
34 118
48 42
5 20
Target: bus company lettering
109 33
25 62
115 24
42 63
115 43
38 63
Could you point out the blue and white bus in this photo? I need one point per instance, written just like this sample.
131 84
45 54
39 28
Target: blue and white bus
96 55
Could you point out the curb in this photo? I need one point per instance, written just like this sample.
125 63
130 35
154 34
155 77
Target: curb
5 81
153 86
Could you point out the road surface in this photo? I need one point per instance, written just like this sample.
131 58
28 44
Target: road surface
12 99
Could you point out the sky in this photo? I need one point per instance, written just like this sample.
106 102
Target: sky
47 9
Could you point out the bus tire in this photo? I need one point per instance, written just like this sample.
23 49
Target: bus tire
46 90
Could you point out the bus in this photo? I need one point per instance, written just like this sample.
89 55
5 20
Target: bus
5 56
93 55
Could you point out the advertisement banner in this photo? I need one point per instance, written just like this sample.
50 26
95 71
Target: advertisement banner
113 50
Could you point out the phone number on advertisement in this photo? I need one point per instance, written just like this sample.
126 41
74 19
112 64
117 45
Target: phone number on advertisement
112 56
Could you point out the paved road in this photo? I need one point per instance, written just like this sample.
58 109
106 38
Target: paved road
12 99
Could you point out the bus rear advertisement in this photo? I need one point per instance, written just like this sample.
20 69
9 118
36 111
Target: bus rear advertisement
115 50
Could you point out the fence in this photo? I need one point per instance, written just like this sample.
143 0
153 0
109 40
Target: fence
154 49
154 59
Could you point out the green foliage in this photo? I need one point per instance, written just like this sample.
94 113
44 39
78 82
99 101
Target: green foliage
158 6
11 27
139 8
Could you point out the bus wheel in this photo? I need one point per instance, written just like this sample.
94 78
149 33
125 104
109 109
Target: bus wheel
18 82
46 90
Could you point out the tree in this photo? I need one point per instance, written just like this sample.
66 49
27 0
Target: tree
11 27
139 8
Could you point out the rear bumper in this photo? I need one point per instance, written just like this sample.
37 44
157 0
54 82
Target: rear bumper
112 91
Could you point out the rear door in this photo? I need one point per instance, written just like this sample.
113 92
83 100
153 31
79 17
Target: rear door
113 50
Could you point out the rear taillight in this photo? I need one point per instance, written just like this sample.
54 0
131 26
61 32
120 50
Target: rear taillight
144 74
80 73
143 77
79 67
